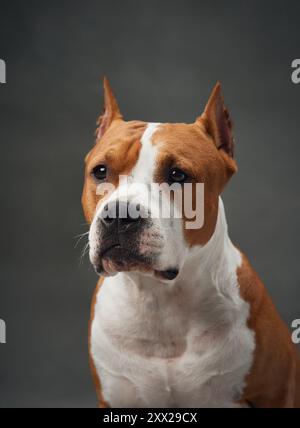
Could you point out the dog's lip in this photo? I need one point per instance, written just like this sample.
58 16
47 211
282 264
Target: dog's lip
168 274
108 248
165 275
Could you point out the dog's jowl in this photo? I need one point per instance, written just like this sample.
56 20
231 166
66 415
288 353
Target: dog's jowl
179 317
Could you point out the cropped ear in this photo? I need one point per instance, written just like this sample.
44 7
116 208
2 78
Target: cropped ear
217 121
111 110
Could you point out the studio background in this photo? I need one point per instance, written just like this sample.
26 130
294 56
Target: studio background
162 59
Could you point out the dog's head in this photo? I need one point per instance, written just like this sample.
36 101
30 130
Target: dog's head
141 193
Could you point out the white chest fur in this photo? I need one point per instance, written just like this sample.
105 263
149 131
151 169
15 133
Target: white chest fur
154 353
180 345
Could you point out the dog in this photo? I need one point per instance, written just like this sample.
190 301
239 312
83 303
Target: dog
179 317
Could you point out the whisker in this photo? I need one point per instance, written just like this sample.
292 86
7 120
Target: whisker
84 251
82 235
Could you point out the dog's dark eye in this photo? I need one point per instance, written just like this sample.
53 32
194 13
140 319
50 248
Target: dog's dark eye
99 172
176 175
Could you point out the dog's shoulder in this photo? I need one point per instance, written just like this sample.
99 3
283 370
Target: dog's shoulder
272 376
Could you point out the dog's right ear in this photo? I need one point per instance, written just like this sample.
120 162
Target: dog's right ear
111 110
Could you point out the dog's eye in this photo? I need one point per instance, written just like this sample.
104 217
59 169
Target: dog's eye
99 172
176 175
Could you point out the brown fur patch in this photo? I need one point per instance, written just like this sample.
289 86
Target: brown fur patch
190 148
273 380
118 149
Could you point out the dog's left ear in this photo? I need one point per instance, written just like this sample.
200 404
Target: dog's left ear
111 110
217 121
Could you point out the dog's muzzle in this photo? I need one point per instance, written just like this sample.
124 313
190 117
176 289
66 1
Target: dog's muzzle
120 233
127 241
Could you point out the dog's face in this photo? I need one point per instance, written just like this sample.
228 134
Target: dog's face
138 180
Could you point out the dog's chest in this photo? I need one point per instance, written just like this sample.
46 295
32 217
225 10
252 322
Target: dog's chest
163 350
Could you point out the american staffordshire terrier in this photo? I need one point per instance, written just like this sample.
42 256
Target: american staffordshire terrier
179 317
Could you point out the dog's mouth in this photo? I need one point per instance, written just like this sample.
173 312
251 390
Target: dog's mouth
168 274
116 258
109 249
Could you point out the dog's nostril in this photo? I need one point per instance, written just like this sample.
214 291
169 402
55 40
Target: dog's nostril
108 215
125 214
128 220
118 213
107 220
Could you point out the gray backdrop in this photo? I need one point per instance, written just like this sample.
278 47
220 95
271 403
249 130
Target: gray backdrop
162 58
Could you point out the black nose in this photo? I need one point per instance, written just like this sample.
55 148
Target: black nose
116 215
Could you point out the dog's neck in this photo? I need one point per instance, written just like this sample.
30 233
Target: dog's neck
213 265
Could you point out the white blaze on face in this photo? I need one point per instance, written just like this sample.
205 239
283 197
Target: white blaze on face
143 171
135 186
165 233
